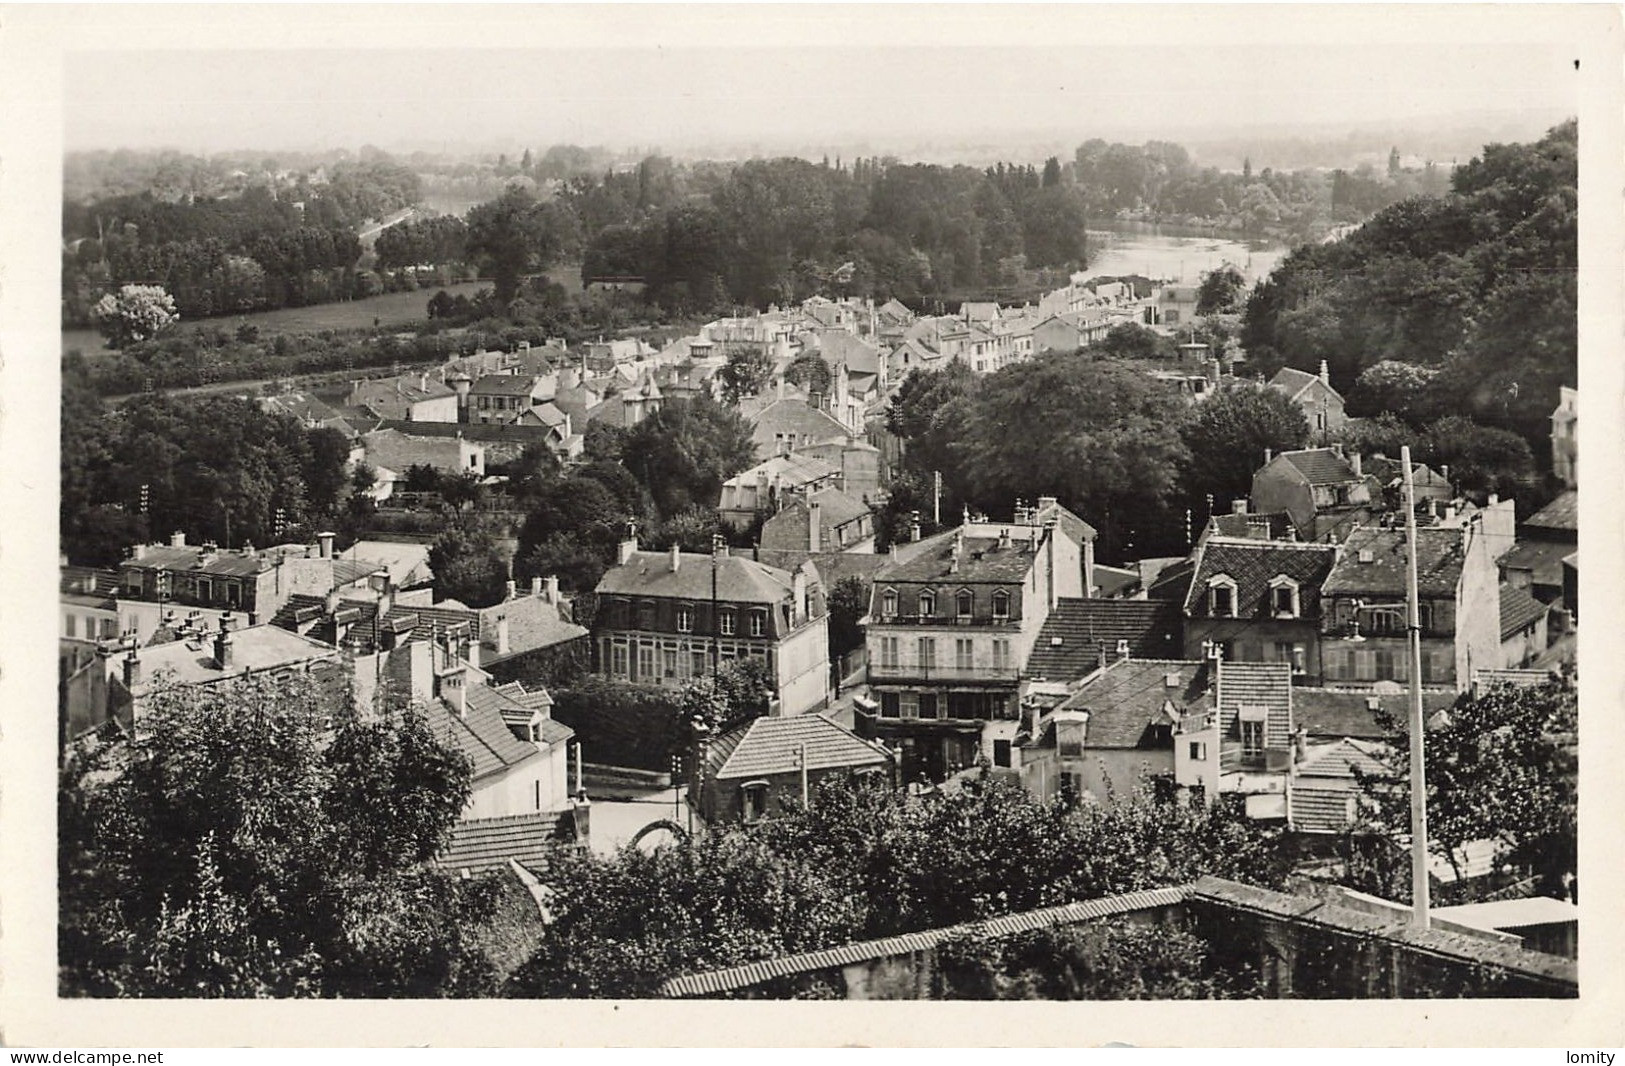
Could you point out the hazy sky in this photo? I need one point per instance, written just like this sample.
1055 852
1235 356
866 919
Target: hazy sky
688 92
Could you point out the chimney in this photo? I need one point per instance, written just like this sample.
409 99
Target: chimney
893 551
330 604
222 646
1268 455
552 588
510 590
799 586
1354 461
1004 539
132 668
502 634
1049 558
1444 473
1325 374
423 382
177 539
676 556
325 540
1450 512
454 690
1238 506
814 533
628 546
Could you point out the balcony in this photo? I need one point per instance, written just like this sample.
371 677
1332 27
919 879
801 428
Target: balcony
948 621
880 672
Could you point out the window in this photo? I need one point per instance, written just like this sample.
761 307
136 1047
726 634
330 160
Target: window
205 590
753 801
1001 753
696 662
618 660
685 619
1001 654
234 594
930 707
888 651
758 623
888 603
1252 736
910 702
1284 597
646 662
1001 606
964 658
928 604
1221 597
1286 652
670 662
890 705
73 625
646 615
109 628
1424 616
729 623
1198 751
928 652
962 604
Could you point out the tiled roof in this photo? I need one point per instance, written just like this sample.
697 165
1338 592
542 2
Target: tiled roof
195 560
365 628
719 981
1173 582
1518 609
1323 809
1080 531
1293 382
504 385
831 566
1321 466
795 418
1131 695
1542 559
1267 685
533 623
1562 513
481 844
981 560
480 733
513 705
1249 526
1325 712
1252 565
770 746
738 580
1078 631
479 432
839 346
787 470
1342 758
1439 558
837 508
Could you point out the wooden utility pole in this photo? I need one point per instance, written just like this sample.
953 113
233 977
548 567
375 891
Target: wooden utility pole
1413 627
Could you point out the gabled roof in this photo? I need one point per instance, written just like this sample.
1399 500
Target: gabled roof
840 346
1439 558
739 580
1249 525
792 470
796 418
504 385
1562 513
770 746
481 844
1266 685
1080 531
836 508
1078 632
479 733
1326 713
1129 696
1342 758
365 627
1252 565
516 714
1542 559
1518 609
1321 466
1296 382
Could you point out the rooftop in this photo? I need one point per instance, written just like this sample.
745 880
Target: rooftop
253 648
1518 609
980 560
481 844
769 746
1130 696
1079 633
1326 712
1321 466
480 733
738 580
504 385
1562 513
1439 558
1253 564
792 470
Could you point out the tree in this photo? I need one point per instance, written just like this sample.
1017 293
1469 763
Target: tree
683 453
1394 387
1227 436
713 703
1130 340
809 371
928 412
1500 767
137 313
1220 291
1481 459
848 602
1100 436
470 565
515 234
237 847
744 374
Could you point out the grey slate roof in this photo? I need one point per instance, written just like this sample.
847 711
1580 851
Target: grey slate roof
1131 695
1253 564
1151 627
480 733
739 580
769 746
1439 558
982 560
1562 513
1322 466
1326 713
1267 685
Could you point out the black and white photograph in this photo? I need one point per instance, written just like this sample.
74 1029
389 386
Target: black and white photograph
780 503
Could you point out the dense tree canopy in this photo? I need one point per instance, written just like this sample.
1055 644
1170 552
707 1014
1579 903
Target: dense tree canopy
238 847
683 453
1227 436
516 234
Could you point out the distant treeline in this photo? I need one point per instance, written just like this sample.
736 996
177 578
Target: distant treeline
262 241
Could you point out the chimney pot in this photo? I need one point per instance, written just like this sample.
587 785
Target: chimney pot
511 590
177 539
676 556
325 540
552 588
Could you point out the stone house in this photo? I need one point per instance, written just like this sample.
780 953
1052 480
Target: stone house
824 520
758 769
1323 491
1321 404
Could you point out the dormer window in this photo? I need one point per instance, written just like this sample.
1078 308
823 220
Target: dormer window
1221 597
729 622
758 623
963 602
685 619
888 603
1284 597
1001 606
928 604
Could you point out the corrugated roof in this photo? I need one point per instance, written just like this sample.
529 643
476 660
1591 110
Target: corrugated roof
1518 609
1321 466
736 977
481 844
1131 695
1070 643
770 745
1439 558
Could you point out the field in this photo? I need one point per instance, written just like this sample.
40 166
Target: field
390 309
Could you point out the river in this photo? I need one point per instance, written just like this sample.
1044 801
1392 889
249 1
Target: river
1177 253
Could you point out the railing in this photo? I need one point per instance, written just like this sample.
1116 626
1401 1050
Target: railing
948 620
907 671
